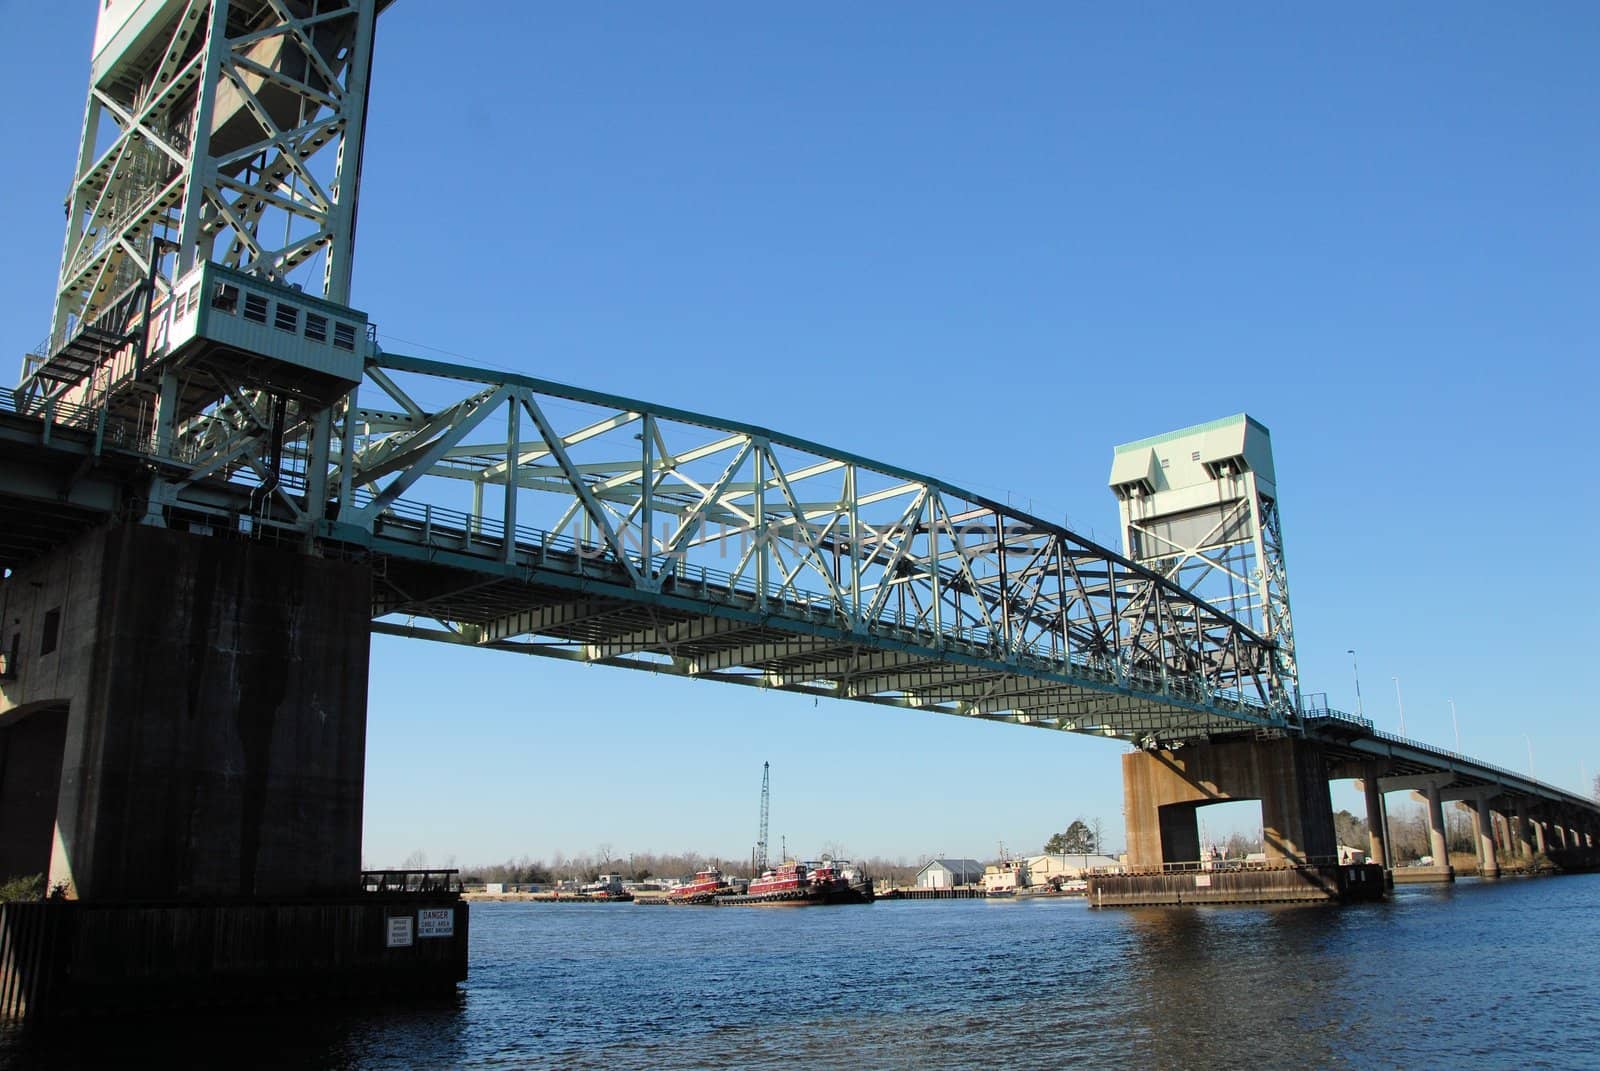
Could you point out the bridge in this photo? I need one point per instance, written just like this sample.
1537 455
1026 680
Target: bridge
216 485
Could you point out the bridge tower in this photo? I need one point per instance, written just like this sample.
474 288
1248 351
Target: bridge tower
1200 507
201 311
183 686
201 305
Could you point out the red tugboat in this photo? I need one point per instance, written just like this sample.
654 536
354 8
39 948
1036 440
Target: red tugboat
792 884
704 889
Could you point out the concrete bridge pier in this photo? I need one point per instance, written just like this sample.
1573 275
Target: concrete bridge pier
1488 860
1162 793
1484 827
1438 846
1432 788
191 709
1377 819
213 692
1525 848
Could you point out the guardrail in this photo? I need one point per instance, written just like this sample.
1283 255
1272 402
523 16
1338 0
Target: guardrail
1337 715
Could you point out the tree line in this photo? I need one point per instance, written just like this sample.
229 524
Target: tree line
641 866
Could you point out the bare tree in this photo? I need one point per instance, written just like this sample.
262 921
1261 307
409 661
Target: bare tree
1350 830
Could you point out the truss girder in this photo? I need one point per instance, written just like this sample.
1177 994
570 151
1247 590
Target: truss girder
847 575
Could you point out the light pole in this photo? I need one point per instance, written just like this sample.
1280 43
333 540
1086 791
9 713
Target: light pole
1355 668
1454 725
1529 742
1401 703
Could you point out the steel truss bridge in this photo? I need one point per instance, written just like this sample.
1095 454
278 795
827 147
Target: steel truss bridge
516 514
186 383
513 514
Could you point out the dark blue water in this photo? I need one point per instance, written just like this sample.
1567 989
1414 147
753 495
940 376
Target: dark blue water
1490 975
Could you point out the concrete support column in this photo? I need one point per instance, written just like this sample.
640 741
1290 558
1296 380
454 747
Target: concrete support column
1561 834
1524 836
1488 859
1375 819
1538 836
1436 839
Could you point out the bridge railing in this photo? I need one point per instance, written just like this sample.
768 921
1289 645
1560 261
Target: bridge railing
1466 760
389 882
1329 714
1442 754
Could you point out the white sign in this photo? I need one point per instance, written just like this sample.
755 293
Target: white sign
1202 881
436 922
400 931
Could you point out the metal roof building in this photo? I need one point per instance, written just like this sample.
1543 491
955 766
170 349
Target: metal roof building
948 873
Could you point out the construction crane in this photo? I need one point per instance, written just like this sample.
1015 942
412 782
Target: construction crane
761 838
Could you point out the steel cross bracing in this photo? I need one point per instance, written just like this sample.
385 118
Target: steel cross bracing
671 541
1236 564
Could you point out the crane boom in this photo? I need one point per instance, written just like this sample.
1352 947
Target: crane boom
761 839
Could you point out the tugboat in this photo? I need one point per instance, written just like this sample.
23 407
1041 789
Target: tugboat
704 889
794 884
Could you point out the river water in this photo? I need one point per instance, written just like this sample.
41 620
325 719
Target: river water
1479 975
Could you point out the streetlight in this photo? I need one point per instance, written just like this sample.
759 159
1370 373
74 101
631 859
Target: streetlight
1454 725
1355 668
1530 753
1401 704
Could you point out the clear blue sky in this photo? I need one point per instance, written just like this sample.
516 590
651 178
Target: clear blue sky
989 245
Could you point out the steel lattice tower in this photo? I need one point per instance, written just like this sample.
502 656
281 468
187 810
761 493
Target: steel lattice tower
1200 507
201 309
